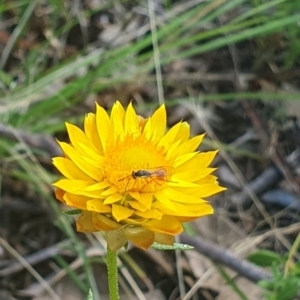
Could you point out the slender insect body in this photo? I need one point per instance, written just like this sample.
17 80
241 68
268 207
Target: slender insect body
144 178
159 173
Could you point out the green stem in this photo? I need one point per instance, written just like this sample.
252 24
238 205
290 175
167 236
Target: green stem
112 274
289 263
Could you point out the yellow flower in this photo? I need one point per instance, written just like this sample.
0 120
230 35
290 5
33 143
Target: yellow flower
132 179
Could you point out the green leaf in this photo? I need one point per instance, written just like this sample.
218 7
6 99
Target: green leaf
72 212
58 4
175 246
296 270
266 284
264 258
5 78
90 295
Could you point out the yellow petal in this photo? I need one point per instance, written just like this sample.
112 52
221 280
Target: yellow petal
78 187
59 194
171 151
139 236
82 164
193 174
115 239
76 201
148 129
102 121
119 111
184 158
182 183
90 155
149 214
188 146
163 200
145 198
204 190
69 169
170 136
165 239
98 186
137 205
159 119
117 116
186 210
101 222
131 121
175 195
186 219
156 125
205 158
202 209
120 212
109 191
97 206
71 185
135 221
183 133
77 136
113 198
201 160
84 223
90 194
210 179
90 129
167 224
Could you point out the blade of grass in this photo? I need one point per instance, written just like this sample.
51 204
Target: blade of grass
117 56
230 39
26 95
12 5
66 266
257 10
40 178
231 282
17 32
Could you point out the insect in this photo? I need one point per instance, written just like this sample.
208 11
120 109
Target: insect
158 173
147 176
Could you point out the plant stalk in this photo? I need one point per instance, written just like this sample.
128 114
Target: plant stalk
112 274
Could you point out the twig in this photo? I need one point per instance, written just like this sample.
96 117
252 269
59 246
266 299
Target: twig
275 153
34 258
259 126
270 177
197 113
41 141
29 268
225 257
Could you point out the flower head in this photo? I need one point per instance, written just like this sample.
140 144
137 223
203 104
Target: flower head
132 179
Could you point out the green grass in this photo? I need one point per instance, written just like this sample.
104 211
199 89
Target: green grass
48 90
112 67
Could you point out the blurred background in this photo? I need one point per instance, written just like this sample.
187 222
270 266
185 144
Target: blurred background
229 68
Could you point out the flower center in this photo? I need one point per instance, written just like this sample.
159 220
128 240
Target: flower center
136 165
